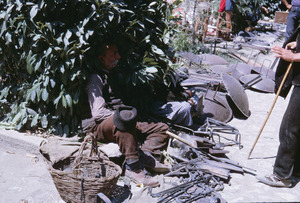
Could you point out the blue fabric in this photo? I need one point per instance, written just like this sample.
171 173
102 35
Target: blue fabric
228 6
292 21
295 2
178 112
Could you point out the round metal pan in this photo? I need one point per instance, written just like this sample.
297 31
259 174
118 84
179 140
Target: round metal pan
218 69
264 71
215 105
212 59
193 82
243 68
235 73
237 93
191 57
263 85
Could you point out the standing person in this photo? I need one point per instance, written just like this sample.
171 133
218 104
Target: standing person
225 5
287 161
121 125
228 15
220 13
293 17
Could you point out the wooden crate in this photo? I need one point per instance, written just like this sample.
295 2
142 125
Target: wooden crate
280 17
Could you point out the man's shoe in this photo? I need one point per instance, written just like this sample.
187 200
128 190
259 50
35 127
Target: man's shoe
140 177
274 181
159 168
149 162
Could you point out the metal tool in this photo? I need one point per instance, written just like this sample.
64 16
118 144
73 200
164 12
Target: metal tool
244 68
213 128
216 106
218 69
197 186
237 93
268 72
235 73
181 139
252 82
213 59
193 58
264 85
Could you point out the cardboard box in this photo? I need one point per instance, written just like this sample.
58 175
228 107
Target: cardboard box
280 17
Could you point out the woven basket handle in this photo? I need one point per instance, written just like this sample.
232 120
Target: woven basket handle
94 149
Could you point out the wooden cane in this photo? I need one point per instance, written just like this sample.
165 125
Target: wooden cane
277 94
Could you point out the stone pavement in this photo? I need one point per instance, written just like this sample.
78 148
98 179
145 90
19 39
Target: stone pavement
23 173
246 188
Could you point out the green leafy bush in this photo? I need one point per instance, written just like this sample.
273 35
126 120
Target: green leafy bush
48 48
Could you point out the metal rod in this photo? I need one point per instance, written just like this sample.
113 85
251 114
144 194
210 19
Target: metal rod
277 94
256 59
218 87
252 82
263 64
250 57
274 63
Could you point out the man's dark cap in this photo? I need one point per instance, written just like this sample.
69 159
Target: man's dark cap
125 118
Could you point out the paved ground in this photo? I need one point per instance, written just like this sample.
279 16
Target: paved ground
246 188
23 173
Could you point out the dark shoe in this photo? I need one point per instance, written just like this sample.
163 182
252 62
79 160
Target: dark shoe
274 181
134 165
150 163
159 168
140 177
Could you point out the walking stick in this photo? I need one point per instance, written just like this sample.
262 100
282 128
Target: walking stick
277 94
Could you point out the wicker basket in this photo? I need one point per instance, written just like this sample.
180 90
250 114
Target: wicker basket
80 179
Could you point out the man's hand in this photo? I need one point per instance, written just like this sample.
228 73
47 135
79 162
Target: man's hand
190 97
194 101
285 54
265 9
189 93
287 5
291 45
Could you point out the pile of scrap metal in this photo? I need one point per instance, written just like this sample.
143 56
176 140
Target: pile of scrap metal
261 39
198 187
185 156
199 161
222 85
188 147
212 136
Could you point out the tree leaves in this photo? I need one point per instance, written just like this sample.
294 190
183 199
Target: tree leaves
33 11
45 94
50 49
